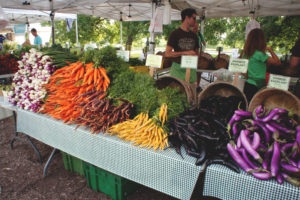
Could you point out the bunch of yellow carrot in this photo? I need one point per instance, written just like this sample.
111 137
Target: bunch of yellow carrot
142 131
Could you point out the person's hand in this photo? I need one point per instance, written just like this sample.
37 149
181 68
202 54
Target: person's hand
204 43
190 53
269 49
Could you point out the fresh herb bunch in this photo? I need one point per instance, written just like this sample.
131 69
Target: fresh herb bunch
176 101
136 62
140 90
137 88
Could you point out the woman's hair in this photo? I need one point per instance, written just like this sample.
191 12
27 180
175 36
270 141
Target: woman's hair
255 41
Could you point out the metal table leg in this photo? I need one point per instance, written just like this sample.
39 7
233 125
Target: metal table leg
49 160
16 137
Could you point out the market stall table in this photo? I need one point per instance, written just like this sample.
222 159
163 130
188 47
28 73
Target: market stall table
225 184
164 171
7 106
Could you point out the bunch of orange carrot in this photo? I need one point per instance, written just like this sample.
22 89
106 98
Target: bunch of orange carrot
66 87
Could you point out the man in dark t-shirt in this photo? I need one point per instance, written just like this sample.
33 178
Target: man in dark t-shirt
183 41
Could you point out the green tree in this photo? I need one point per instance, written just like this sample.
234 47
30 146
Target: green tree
90 28
133 31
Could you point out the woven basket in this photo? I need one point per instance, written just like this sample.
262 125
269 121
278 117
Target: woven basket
223 89
276 98
222 61
184 87
205 60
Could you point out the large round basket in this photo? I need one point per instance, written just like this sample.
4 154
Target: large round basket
222 61
223 89
276 98
184 87
205 60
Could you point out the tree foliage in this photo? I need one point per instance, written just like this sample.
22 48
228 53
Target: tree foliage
281 32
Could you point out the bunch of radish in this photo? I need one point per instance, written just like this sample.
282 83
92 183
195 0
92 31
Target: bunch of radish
266 143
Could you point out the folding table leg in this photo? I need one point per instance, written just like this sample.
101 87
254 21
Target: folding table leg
49 160
16 137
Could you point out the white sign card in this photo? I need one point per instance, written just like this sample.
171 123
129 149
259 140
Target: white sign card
153 60
238 65
279 82
124 55
189 62
235 53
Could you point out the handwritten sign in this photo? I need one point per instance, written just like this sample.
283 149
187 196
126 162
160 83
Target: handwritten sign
124 55
279 82
153 60
238 65
189 62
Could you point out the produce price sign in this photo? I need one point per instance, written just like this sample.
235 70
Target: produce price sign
189 62
124 55
279 82
153 60
238 65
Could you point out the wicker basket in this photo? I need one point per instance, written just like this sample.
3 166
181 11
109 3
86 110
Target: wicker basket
223 89
205 60
276 98
222 61
184 87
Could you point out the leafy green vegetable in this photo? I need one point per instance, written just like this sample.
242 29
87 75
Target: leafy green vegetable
176 101
140 90
107 58
136 62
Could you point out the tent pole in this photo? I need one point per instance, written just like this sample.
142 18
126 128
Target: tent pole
122 35
77 42
52 21
152 41
52 28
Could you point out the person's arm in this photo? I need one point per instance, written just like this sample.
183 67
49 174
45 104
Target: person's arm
172 54
273 60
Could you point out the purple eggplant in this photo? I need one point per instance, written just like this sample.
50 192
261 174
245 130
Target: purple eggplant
281 128
298 136
265 131
273 113
262 175
233 119
246 144
290 168
242 113
279 178
255 141
275 159
246 158
238 159
267 158
239 143
298 164
291 180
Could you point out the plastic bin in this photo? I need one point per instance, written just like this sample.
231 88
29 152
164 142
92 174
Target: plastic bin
72 163
116 187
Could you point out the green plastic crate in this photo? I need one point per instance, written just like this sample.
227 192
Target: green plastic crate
72 163
116 187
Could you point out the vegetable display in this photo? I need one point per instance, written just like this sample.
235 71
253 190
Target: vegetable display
143 131
67 84
8 64
99 113
34 71
203 133
266 144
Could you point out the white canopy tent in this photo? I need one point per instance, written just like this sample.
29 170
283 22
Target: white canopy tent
18 16
139 10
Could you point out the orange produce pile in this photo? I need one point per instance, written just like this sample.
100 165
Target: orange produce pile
67 87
